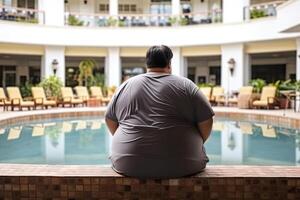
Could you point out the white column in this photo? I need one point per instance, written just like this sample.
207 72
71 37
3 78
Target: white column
113 7
113 67
298 60
178 63
233 10
176 7
54 11
53 53
232 145
240 74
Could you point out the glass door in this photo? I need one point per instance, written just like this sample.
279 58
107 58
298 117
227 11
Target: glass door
9 76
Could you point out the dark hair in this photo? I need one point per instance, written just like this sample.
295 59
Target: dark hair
158 56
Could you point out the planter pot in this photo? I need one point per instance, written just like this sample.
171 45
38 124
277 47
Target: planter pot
283 103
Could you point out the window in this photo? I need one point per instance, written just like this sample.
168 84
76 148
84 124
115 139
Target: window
26 4
103 7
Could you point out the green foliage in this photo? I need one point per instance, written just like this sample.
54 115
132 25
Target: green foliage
26 89
74 21
86 68
289 85
172 20
52 86
257 84
121 23
256 13
99 80
31 20
183 21
111 21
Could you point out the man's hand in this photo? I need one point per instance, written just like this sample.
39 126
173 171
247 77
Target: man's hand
112 125
205 128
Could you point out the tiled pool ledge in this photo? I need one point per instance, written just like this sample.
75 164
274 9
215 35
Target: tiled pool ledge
286 118
95 182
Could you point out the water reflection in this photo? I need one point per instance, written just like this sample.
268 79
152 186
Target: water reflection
78 141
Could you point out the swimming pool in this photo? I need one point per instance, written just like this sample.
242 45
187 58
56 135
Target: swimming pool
82 141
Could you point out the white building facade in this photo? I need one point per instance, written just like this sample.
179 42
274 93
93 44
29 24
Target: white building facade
204 36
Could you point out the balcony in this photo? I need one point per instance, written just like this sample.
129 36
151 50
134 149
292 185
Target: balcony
23 15
261 10
142 20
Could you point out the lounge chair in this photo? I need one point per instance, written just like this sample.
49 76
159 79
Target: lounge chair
40 98
16 99
267 98
69 98
243 98
82 93
96 92
217 96
3 100
206 92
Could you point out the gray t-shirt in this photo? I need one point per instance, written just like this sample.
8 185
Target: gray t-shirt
157 135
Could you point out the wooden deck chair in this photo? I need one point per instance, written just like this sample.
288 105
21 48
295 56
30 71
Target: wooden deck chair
82 93
4 100
67 127
16 99
246 128
267 98
243 97
14 133
40 98
69 98
38 130
96 125
267 130
81 125
206 92
217 95
96 92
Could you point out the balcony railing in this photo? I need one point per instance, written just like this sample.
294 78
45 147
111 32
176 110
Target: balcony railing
142 20
21 15
261 10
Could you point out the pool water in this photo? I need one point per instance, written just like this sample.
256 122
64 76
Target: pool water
87 142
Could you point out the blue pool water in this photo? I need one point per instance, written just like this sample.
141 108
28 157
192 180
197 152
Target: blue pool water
87 142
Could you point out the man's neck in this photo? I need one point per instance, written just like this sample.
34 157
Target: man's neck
165 70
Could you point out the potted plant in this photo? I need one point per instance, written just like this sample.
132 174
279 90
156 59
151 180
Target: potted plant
256 13
52 86
257 85
74 21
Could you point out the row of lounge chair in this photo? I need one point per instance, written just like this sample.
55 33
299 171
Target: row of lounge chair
14 98
245 98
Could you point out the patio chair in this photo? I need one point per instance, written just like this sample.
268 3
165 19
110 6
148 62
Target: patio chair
16 99
96 92
206 92
3 100
217 96
69 98
267 98
40 98
243 98
82 93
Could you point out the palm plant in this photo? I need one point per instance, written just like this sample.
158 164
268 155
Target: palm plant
86 68
257 84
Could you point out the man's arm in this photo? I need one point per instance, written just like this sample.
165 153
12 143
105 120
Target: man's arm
205 128
112 125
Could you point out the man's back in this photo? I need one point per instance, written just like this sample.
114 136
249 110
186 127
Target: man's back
157 134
